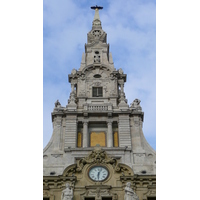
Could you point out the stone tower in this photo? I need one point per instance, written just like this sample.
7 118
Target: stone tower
98 130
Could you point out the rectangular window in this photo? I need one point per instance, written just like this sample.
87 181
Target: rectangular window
97 139
97 92
45 198
115 139
79 139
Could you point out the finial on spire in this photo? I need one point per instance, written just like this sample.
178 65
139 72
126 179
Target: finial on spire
96 21
96 7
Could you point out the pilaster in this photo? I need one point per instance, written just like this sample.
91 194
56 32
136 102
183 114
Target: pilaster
124 131
71 131
109 134
85 133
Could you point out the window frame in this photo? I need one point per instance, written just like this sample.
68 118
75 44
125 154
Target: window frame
99 93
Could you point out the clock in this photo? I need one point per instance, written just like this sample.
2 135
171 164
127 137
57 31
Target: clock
98 173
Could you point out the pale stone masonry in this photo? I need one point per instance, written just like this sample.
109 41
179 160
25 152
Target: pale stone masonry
97 115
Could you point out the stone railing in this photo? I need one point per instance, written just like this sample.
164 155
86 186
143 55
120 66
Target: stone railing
97 107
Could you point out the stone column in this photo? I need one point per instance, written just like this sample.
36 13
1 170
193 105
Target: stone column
72 87
109 134
122 87
85 134
121 84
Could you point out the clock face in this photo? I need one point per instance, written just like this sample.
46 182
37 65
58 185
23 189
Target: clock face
98 173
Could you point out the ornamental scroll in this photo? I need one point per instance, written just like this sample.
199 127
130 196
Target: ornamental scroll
97 156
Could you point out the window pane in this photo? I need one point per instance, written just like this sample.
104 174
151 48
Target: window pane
94 93
97 92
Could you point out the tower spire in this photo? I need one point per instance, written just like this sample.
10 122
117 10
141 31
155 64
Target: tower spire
96 22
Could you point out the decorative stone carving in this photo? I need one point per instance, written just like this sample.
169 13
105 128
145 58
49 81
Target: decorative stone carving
70 170
98 191
96 33
113 76
72 99
67 194
81 76
73 71
136 105
57 104
96 57
96 23
97 84
124 170
57 155
97 156
121 71
129 193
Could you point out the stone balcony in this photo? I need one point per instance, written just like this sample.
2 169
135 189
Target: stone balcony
106 107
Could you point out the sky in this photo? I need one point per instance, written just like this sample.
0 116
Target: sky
31 80
131 33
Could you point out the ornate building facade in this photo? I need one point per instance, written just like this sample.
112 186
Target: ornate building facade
97 150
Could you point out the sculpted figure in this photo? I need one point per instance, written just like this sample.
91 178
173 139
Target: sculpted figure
72 99
67 194
129 193
73 71
57 103
121 71
136 104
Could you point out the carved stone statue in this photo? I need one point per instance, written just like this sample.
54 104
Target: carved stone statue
136 105
73 71
120 71
67 194
129 193
57 103
72 99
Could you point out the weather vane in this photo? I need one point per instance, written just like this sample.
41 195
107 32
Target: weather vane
96 7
